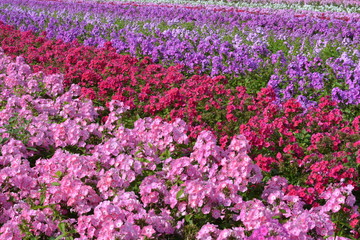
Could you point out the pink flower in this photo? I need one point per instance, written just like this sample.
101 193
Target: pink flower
208 232
148 231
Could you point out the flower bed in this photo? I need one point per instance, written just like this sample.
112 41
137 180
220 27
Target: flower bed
97 143
64 173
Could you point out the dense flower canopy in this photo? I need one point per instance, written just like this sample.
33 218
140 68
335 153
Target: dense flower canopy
178 121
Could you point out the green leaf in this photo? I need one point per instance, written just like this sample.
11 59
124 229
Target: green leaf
55 184
62 227
179 193
61 236
58 174
142 160
39 207
13 119
138 151
42 198
188 218
165 155
31 148
3 140
282 210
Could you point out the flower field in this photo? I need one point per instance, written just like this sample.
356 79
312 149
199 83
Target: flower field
180 119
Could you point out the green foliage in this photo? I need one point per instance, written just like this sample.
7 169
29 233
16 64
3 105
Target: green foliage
68 231
330 51
120 24
94 140
128 119
134 186
188 25
17 128
76 149
253 192
253 80
350 111
276 45
57 119
40 153
294 173
89 27
190 231
163 26
341 220
303 138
